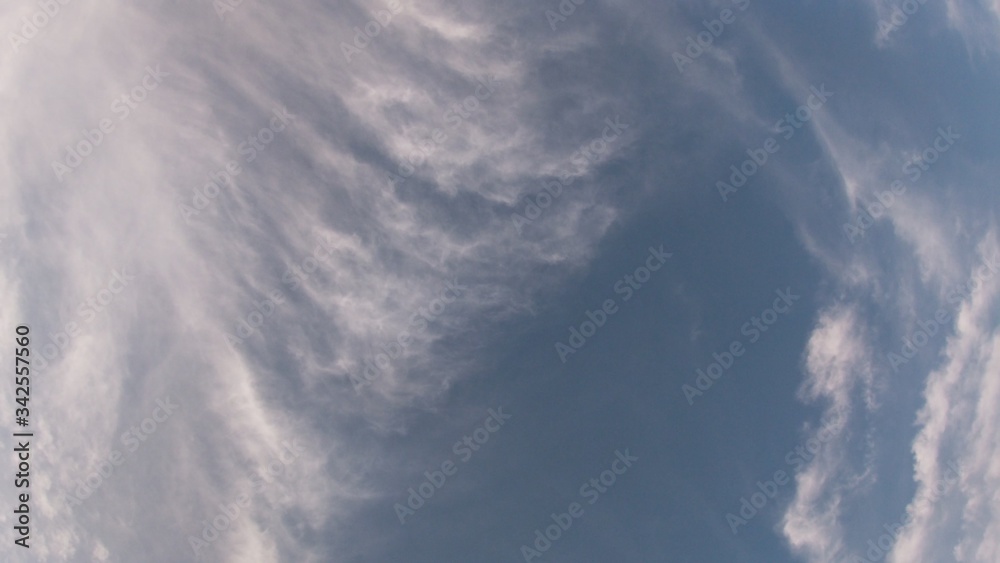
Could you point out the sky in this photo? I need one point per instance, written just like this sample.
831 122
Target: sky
555 281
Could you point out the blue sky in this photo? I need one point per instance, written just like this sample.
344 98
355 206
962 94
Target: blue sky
353 243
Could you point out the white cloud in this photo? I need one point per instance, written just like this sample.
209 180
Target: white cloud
838 368
323 178
959 422
875 296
